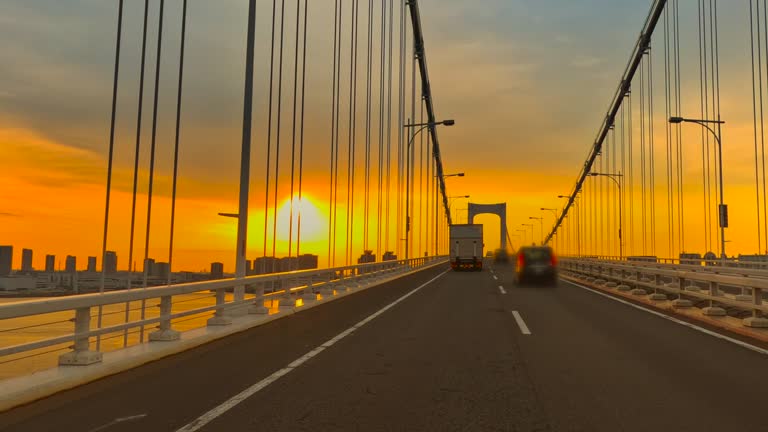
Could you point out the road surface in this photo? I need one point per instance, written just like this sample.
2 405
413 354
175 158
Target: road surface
465 352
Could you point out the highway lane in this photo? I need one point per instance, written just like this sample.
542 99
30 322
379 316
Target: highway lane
177 389
454 355
601 365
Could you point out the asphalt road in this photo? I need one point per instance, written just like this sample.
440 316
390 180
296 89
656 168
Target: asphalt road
452 356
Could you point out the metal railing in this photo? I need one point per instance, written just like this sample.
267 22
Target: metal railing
658 281
284 288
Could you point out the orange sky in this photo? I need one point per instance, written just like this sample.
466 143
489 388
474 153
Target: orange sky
526 83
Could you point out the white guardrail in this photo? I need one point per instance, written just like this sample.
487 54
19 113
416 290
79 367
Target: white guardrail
287 289
685 283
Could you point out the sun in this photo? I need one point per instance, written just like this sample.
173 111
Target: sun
307 218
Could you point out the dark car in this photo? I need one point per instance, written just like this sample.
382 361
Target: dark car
536 263
500 256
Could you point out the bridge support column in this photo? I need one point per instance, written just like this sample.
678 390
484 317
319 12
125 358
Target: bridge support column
81 354
219 318
165 333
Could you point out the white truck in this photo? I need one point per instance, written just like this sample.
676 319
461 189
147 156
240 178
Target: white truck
466 242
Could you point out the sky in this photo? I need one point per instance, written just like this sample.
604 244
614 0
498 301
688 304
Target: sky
528 83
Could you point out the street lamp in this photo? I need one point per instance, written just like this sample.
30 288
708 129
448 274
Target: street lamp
723 209
451 199
541 226
531 227
614 177
461 174
525 235
421 127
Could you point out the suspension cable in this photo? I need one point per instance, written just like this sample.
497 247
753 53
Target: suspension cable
113 115
301 129
269 138
176 139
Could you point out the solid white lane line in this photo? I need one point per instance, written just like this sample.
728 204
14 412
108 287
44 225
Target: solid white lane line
495 277
677 321
118 421
520 323
501 288
250 391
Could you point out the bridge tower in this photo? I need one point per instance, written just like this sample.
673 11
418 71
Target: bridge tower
497 209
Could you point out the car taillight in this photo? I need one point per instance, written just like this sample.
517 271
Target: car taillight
554 260
520 260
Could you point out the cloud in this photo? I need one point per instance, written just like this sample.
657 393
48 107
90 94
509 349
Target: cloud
586 62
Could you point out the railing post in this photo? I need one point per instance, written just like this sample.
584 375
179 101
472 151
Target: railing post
81 355
712 310
219 318
680 302
756 320
165 333
258 308
286 300
309 295
657 294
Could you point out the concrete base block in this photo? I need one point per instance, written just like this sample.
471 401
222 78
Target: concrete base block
287 303
164 335
658 297
623 287
671 285
611 285
80 358
590 279
258 310
639 292
219 321
713 311
682 303
309 297
756 322
599 282
743 297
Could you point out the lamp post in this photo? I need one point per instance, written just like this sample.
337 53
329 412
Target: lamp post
421 127
554 214
451 199
541 227
524 234
531 227
461 174
723 209
614 177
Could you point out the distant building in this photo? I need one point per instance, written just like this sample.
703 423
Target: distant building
92 264
307 262
70 265
287 264
366 257
389 256
690 258
6 260
161 270
265 265
149 266
110 262
217 270
50 263
26 260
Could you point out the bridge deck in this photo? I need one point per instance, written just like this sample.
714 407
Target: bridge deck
452 356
